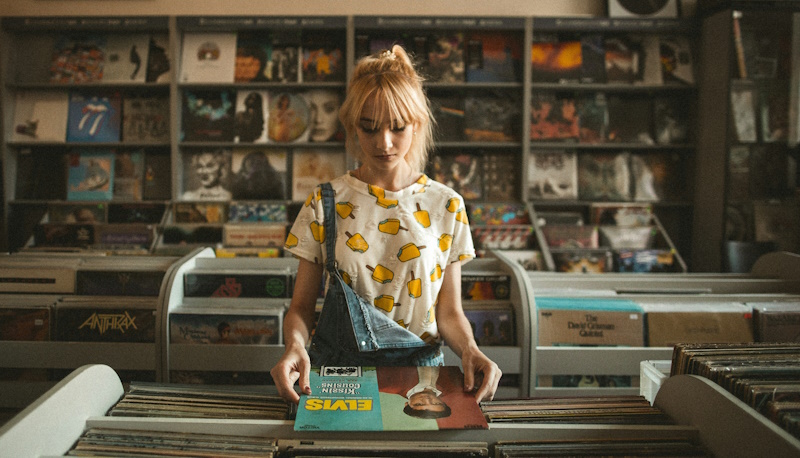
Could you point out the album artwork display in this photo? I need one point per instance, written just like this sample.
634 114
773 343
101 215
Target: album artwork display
254 235
94 117
145 119
265 284
323 115
98 319
159 60
323 57
77 213
491 118
251 114
408 398
445 57
553 175
621 214
207 175
253 63
78 59
462 173
208 57
556 59
498 213
288 117
645 261
593 116
621 60
492 324
310 167
208 115
233 325
636 238
677 64
199 212
259 175
657 176
501 177
554 116
257 212
126 58
40 116
90 175
480 287
604 176
583 260
128 175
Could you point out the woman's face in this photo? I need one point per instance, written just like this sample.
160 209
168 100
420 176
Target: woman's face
324 110
384 141
208 170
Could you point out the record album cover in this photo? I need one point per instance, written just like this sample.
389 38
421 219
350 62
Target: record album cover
228 327
553 175
259 174
604 176
40 116
78 59
288 117
145 119
445 59
312 167
493 57
388 399
126 58
159 60
556 60
323 57
250 124
94 118
128 175
461 172
208 57
91 175
209 115
554 117
207 175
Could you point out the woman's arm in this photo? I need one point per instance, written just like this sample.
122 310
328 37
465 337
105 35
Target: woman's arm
295 365
456 331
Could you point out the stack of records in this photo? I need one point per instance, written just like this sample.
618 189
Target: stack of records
682 445
122 442
182 401
341 448
620 410
765 375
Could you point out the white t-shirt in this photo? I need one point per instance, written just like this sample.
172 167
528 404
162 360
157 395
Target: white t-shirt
391 247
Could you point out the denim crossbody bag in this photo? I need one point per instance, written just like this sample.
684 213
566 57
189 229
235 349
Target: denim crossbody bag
350 330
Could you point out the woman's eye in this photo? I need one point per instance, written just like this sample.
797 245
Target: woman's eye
398 128
368 129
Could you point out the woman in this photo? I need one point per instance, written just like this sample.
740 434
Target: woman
402 239
323 105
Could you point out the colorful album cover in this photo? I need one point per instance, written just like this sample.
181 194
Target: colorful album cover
323 57
491 213
323 117
128 175
553 175
200 212
262 327
266 284
604 176
91 175
645 261
630 119
621 60
207 175
127 282
94 118
288 117
460 172
593 118
157 183
76 213
556 60
583 261
26 323
671 120
313 167
209 115
491 118
448 111
648 57
257 212
480 287
657 176
571 236
208 57
676 59
118 323
40 116
493 57
128 235
501 177
492 326
554 116
78 59
259 174
126 58
145 119
388 399
250 125
159 60
445 57
253 63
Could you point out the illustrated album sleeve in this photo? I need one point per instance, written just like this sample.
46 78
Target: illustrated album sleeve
357 398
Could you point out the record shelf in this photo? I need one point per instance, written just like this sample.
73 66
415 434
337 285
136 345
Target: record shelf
775 276
724 425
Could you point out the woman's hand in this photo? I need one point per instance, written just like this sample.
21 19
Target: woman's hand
294 366
481 374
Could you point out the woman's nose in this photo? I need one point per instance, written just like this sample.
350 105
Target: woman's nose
384 139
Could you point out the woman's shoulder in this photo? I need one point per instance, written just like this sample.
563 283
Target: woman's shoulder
436 189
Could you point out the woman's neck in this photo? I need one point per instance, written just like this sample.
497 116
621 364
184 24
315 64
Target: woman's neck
394 180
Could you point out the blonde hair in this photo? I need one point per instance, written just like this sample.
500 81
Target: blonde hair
389 77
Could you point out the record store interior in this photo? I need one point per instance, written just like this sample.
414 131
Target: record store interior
626 172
